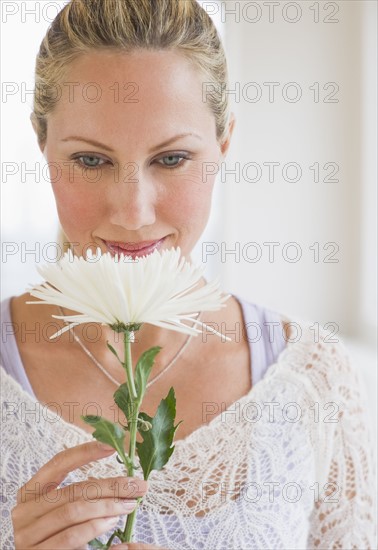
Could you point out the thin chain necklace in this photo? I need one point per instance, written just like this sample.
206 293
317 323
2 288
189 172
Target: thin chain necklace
109 376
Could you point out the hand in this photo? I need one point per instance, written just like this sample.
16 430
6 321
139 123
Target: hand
47 517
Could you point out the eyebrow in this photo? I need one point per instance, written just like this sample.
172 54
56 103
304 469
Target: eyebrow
103 146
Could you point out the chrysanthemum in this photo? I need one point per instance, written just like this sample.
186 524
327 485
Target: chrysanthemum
118 291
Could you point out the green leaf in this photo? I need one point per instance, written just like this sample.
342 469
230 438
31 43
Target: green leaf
122 395
125 402
143 370
95 543
109 433
114 352
156 448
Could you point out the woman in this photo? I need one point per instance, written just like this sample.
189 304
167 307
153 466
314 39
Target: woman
121 116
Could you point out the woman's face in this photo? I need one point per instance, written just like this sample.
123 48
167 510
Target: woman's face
132 150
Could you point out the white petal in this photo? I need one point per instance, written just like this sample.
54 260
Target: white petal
160 289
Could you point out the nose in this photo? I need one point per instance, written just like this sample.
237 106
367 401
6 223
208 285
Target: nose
132 203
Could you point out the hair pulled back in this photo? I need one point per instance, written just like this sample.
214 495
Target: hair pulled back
126 25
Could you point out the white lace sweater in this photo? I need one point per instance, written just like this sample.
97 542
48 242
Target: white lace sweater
289 466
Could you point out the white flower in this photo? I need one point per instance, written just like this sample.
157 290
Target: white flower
118 291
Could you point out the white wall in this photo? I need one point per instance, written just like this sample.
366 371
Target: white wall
307 131
368 149
304 132
28 214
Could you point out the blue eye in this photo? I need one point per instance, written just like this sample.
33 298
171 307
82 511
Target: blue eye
173 161
92 161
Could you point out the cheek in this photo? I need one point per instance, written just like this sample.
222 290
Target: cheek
190 202
78 209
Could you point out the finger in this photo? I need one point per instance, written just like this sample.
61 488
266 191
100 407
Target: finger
138 546
72 514
79 535
90 491
56 469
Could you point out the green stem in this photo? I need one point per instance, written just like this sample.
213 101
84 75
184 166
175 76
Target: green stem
127 534
115 534
129 365
132 444
128 531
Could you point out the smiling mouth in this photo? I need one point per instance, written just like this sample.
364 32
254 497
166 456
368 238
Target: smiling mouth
135 250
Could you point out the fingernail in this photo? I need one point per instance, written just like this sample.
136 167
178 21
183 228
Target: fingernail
128 504
105 447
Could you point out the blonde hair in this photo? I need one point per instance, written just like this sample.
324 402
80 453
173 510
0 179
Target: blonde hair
125 25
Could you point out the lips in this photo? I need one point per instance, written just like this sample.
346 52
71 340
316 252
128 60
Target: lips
141 248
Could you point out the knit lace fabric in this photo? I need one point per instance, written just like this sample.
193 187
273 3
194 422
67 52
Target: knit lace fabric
290 465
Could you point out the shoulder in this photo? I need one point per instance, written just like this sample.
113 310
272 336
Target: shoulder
317 346
5 308
329 384
325 384
11 391
13 336
9 352
316 361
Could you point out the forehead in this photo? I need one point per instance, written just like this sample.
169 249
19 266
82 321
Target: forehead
152 89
